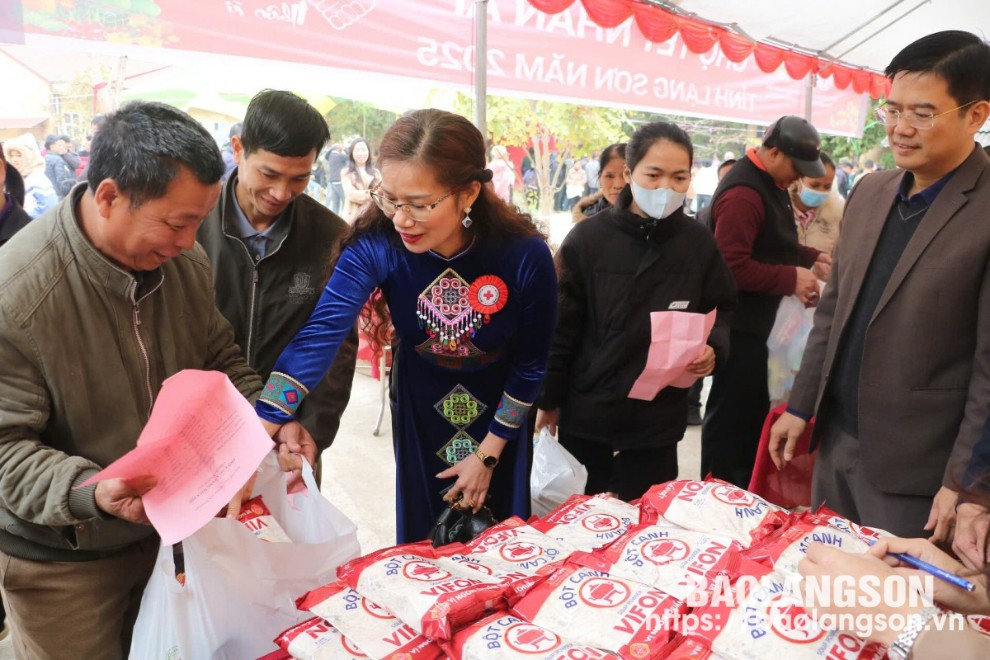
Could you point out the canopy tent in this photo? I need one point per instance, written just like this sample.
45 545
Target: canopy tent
656 56
563 57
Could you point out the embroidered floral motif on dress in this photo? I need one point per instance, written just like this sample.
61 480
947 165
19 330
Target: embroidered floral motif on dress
511 412
445 312
457 448
284 392
460 407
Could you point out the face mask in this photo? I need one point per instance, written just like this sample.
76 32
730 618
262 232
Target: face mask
657 202
812 198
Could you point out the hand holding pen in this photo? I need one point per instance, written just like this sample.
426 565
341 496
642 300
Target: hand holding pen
953 580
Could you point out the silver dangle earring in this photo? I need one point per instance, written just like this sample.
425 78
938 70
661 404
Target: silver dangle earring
467 221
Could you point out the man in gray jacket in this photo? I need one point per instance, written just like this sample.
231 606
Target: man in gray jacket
270 246
101 300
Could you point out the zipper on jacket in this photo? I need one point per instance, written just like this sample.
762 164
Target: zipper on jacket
142 348
255 278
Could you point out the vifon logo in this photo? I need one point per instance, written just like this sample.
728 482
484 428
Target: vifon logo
603 592
665 551
424 571
788 620
601 522
520 551
734 496
527 638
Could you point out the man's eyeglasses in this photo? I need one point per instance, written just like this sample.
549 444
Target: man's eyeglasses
414 211
920 120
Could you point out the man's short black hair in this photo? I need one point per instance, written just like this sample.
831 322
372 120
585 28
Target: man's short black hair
50 140
284 124
960 58
142 146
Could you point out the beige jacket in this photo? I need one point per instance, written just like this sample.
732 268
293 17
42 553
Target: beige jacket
822 233
85 348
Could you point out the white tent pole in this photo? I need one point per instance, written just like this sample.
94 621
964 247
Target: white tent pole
481 66
809 95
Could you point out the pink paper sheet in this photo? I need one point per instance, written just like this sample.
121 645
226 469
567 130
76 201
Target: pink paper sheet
677 340
203 442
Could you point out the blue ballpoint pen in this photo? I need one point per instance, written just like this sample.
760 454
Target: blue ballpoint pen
931 569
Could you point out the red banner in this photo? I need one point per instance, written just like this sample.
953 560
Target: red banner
566 56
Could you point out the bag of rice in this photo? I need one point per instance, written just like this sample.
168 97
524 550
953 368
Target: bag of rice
593 608
432 598
675 561
315 639
787 546
588 522
767 620
502 636
371 627
712 506
512 552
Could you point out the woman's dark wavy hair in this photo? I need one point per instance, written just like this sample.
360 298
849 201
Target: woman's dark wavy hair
14 183
352 166
450 147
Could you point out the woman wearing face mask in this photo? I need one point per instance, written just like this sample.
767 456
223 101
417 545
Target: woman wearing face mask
641 255
817 210
611 164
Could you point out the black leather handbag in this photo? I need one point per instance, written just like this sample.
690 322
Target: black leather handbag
460 525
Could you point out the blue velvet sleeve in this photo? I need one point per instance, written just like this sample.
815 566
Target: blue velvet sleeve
361 268
537 283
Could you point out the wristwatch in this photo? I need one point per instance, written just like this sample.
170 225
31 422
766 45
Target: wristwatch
901 648
489 461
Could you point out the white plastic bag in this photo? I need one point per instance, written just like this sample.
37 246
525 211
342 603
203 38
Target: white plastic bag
786 346
556 474
240 591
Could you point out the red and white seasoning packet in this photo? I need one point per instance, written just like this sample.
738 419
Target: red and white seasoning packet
432 598
687 648
675 561
502 636
826 516
588 522
371 627
257 518
787 546
712 506
315 639
767 620
514 553
593 608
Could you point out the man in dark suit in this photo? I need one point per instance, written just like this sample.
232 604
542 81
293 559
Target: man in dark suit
897 367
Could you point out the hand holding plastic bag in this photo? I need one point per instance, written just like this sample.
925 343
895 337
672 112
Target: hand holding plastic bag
240 591
556 474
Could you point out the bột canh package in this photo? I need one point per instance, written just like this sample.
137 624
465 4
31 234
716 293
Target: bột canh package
432 598
374 629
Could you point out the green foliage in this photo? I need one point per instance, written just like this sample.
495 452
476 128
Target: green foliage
545 126
349 118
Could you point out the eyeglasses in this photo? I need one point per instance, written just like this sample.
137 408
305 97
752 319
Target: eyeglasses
414 211
920 120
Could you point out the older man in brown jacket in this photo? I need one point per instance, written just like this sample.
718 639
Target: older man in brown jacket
897 368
